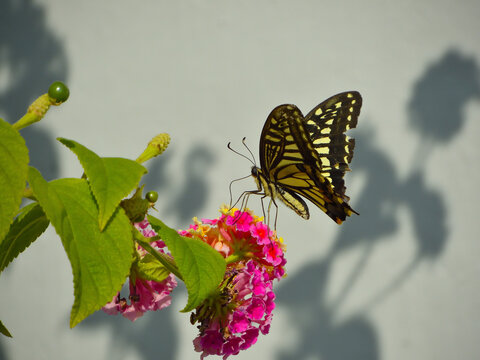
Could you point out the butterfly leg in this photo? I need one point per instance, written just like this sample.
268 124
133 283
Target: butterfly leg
263 207
242 197
272 201
244 200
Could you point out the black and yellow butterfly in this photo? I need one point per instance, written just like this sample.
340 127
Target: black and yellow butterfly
309 155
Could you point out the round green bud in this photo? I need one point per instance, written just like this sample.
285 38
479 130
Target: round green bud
59 92
151 196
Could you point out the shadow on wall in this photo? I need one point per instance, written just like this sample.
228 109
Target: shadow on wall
31 58
435 111
183 197
152 337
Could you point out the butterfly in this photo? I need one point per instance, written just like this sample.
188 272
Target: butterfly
308 156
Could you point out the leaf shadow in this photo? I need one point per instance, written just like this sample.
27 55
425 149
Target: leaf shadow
151 336
447 86
33 57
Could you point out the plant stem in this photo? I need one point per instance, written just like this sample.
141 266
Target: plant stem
166 260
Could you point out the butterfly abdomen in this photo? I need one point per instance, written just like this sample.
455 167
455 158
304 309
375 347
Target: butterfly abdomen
289 198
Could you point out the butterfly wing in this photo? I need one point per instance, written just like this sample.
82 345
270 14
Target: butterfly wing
278 151
326 125
292 165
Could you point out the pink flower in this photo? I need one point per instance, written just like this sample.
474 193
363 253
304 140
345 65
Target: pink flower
232 319
145 295
261 232
237 232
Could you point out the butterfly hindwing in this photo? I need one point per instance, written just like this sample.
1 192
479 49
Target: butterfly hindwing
326 125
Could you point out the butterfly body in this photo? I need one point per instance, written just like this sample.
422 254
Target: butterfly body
308 156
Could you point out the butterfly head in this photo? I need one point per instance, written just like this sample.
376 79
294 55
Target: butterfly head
256 173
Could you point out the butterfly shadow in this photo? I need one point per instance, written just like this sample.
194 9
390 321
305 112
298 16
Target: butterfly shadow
386 194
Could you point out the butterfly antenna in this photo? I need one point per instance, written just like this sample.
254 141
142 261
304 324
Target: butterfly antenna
245 144
236 152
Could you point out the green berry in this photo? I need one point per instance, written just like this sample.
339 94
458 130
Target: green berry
151 196
59 92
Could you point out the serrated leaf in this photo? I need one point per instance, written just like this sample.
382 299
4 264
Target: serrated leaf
4 330
111 179
150 268
100 260
13 173
26 228
201 266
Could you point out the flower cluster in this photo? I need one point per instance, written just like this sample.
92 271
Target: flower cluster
145 295
232 319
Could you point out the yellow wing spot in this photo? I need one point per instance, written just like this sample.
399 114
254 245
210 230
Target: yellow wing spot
338 105
322 140
326 131
329 122
289 137
350 95
349 117
347 149
351 109
325 161
329 179
353 101
347 127
345 159
318 112
323 150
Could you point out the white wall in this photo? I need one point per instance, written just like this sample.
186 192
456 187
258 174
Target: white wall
397 282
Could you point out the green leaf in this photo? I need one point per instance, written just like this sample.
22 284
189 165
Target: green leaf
26 228
100 260
201 266
111 179
13 173
4 330
150 268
